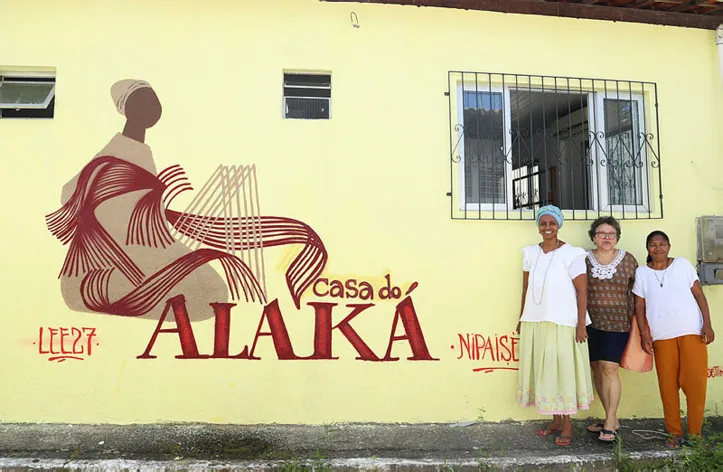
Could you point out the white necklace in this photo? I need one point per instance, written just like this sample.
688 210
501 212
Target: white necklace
544 280
602 272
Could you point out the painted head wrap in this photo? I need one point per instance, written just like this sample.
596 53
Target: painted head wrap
553 211
121 90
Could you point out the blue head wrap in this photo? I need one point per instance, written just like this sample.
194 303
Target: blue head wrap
553 211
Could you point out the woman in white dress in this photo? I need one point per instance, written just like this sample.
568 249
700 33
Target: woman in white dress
554 373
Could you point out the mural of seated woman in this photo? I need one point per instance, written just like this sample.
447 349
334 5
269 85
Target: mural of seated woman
123 260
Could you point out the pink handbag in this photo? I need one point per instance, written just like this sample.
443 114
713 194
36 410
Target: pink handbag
634 358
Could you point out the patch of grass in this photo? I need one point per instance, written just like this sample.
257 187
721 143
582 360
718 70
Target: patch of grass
447 468
75 453
700 454
623 461
483 457
317 462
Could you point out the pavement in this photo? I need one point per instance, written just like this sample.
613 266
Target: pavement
458 446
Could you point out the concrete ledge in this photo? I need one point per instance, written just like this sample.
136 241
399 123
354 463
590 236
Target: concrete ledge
560 462
344 446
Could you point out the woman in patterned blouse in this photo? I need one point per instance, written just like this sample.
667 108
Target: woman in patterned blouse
610 302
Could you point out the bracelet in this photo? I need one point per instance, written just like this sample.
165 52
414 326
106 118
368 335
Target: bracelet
644 333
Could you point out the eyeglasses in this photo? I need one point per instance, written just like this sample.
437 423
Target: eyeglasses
602 235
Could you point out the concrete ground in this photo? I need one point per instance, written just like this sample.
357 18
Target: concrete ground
460 446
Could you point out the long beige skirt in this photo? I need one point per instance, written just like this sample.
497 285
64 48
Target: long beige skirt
554 369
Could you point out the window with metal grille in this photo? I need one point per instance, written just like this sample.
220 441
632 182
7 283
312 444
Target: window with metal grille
517 142
307 96
27 97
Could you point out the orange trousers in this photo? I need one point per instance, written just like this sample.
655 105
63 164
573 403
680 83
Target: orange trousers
682 362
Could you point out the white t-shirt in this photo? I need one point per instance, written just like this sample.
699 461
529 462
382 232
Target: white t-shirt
551 295
671 310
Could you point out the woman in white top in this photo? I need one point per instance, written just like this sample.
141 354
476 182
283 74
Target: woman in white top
669 299
554 370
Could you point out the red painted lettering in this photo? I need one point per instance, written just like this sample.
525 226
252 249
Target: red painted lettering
277 331
337 289
78 334
488 347
464 345
90 332
507 354
323 331
351 290
515 340
53 332
479 346
412 333
222 332
183 328
40 343
318 294
63 334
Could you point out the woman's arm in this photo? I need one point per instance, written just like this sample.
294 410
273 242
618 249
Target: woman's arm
525 281
708 335
645 340
580 283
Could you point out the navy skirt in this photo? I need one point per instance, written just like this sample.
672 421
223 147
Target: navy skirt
606 345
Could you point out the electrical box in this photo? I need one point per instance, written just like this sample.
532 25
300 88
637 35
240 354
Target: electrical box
710 250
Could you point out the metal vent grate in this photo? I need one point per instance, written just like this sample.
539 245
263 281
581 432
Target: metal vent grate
307 96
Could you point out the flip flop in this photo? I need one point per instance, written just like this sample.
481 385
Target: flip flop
607 432
596 428
563 441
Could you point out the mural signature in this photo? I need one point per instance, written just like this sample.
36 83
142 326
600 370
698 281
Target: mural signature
61 344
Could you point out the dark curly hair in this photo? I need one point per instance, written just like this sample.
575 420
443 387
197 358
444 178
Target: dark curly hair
604 220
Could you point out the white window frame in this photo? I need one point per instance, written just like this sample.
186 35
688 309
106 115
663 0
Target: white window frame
605 205
599 193
507 139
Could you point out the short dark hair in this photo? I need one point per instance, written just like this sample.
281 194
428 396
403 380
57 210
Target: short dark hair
604 220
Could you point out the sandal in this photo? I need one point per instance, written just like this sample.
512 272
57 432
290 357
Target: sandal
674 442
563 441
596 428
607 432
546 431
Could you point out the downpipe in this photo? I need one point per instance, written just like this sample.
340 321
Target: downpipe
719 42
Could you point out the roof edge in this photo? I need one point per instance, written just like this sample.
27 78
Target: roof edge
565 10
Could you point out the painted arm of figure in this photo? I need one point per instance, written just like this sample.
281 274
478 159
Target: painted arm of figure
580 283
525 282
708 335
645 340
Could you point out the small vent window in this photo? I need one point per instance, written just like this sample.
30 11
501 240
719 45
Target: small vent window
307 96
27 97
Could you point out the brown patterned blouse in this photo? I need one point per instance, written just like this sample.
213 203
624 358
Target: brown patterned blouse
609 292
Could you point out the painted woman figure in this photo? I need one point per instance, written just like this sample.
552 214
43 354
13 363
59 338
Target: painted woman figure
122 258
669 296
610 303
138 103
554 370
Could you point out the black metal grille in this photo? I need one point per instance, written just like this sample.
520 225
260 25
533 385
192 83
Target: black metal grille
307 96
517 142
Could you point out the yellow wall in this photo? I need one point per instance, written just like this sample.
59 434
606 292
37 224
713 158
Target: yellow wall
371 182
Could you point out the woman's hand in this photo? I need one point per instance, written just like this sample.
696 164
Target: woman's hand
581 335
707 335
646 342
